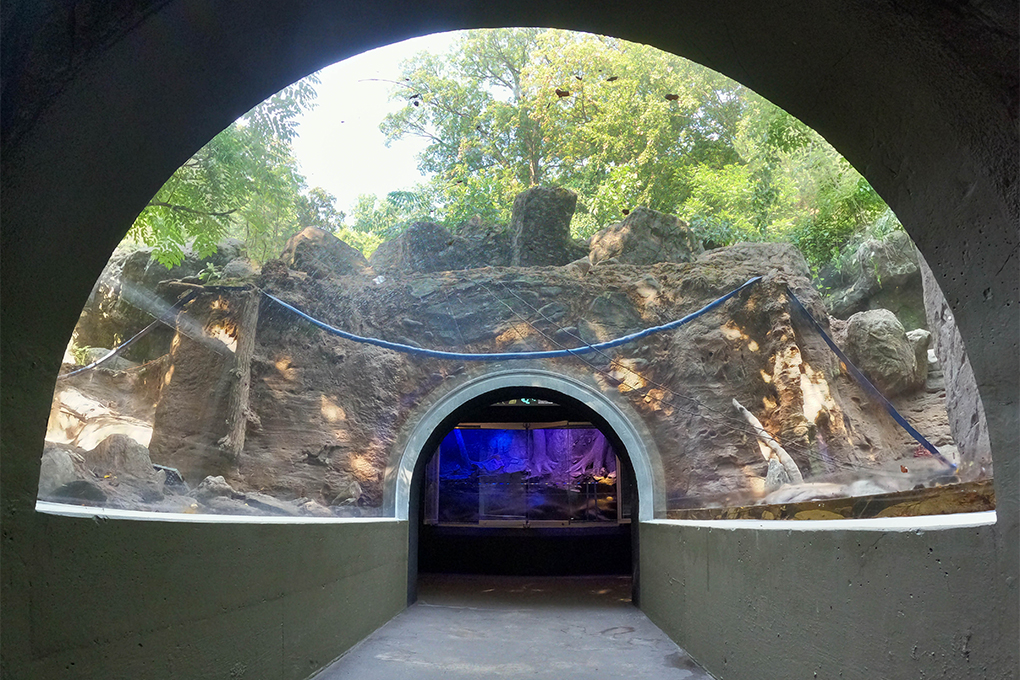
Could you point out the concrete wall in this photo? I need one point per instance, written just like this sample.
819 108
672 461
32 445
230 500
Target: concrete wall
99 108
111 598
776 603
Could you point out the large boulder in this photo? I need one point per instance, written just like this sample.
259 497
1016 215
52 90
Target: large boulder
114 363
56 469
889 262
125 299
121 457
486 245
963 401
645 237
540 228
878 345
144 271
319 253
119 453
884 274
213 487
238 268
426 247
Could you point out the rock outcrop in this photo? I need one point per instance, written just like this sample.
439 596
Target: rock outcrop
878 345
126 298
963 401
320 253
323 416
643 238
238 268
485 245
540 228
884 274
117 473
121 457
327 412
920 341
56 470
426 247
538 235
111 363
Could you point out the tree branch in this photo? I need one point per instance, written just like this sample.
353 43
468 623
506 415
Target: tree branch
780 453
190 211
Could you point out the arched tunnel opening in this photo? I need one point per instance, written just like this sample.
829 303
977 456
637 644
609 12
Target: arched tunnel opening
523 481
70 199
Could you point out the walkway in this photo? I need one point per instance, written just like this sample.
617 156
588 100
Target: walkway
561 628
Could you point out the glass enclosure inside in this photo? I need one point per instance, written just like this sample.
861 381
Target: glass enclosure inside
529 476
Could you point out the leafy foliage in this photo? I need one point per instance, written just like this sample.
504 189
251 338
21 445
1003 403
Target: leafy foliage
517 108
623 125
244 182
81 354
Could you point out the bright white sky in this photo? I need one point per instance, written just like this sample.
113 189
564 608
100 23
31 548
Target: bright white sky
340 147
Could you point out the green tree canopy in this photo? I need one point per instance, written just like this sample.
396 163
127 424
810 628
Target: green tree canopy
623 125
245 182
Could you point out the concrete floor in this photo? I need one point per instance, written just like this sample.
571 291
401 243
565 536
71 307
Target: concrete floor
518 627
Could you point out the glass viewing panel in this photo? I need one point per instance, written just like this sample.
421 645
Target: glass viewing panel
524 477
221 400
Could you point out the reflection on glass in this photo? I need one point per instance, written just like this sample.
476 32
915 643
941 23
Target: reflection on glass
525 477
650 190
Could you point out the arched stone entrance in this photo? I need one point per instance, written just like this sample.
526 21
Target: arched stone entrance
438 412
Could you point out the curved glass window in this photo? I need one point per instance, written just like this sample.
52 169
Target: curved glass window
290 303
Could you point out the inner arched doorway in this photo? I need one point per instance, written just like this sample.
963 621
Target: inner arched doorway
578 400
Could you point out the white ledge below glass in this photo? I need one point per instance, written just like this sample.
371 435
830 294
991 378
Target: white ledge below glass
91 512
960 520
923 523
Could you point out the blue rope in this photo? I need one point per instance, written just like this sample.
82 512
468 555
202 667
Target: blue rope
121 347
508 356
863 381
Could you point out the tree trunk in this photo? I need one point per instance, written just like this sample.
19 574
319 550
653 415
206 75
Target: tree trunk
781 456
239 413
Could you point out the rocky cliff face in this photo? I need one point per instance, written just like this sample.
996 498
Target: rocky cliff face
323 415
126 298
327 411
966 411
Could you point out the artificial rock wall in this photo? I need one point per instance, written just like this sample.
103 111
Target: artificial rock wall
325 413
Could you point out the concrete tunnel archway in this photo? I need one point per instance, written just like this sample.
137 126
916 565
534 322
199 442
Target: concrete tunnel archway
441 412
923 100
639 448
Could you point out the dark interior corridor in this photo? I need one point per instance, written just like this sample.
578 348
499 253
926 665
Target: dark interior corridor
528 487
